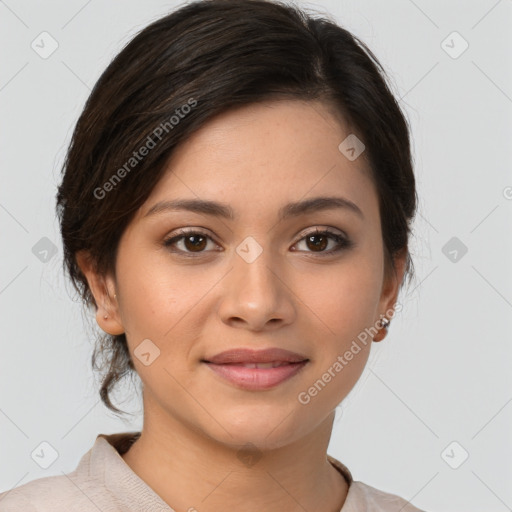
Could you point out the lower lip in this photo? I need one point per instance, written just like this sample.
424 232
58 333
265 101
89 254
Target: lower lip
256 379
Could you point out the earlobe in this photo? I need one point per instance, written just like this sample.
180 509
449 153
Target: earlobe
383 329
109 322
102 289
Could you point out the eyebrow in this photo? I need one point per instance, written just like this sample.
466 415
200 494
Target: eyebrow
223 210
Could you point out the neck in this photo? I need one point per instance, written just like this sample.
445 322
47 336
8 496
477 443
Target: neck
192 472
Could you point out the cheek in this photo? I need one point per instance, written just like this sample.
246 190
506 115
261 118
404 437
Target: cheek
164 303
152 290
343 300
151 301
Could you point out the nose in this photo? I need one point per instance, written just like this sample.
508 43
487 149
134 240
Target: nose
258 295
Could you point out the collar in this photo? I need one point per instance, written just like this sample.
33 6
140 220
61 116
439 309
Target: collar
104 462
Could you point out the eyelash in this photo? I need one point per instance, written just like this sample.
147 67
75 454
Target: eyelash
343 243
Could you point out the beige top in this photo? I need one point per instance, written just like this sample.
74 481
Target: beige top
104 482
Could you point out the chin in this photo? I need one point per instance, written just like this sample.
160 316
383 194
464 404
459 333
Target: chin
266 428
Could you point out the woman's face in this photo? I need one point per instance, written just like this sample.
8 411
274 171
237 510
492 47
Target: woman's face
260 279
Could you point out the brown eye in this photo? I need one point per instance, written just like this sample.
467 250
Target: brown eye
194 243
318 241
188 242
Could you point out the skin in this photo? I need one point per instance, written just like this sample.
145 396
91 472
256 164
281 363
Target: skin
256 159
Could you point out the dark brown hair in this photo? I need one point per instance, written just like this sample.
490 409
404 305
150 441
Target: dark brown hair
180 71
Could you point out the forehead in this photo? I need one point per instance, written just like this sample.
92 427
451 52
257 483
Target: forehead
260 156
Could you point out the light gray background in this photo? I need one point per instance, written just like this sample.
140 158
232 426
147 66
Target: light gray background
443 372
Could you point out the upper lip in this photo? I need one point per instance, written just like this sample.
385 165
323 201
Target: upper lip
243 355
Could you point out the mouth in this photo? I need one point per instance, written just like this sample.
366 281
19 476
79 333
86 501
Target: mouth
256 370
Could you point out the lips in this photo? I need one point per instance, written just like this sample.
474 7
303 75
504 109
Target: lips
256 370
247 356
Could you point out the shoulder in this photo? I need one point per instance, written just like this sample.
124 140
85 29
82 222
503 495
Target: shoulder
81 490
377 500
47 494
361 496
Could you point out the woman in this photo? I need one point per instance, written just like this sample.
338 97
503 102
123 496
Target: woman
235 204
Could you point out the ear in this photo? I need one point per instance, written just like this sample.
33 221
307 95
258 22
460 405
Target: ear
103 289
391 285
